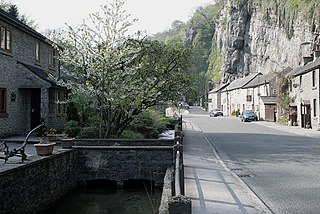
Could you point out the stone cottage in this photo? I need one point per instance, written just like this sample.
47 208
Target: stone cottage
28 66
234 97
304 94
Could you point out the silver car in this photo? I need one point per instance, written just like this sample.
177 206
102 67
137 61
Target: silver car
215 112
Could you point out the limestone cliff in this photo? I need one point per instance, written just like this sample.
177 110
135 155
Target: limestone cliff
252 39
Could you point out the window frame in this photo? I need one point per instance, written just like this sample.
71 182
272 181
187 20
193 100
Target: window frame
3 100
314 78
51 58
5 39
37 52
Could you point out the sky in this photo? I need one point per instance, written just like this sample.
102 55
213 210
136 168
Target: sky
153 16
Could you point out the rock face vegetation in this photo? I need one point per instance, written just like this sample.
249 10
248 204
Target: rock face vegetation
233 38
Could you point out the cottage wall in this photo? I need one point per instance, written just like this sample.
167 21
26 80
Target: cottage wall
305 94
18 80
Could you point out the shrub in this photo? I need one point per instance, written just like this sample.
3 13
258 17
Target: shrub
89 132
129 134
283 121
149 123
72 128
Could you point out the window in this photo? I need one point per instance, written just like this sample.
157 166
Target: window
51 58
61 98
314 107
300 82
313 78
3 100
38 52
5 36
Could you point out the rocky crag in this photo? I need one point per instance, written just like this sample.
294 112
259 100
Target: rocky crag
251 37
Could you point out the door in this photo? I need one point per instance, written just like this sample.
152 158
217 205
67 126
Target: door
35 107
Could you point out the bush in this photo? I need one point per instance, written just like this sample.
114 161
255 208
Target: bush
89 132
72 128
129 134
283 121
149 123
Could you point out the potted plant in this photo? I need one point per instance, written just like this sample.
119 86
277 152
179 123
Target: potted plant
44 147
67 143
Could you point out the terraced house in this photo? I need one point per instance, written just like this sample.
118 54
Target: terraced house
27 94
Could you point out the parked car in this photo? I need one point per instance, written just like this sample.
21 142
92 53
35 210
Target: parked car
184 105
215 112
248 115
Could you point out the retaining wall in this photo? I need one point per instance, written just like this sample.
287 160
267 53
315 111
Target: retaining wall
31 187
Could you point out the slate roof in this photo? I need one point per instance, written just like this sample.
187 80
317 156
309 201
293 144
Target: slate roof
304 69
4 16
265 78
40 73
220 88
260 80
241 82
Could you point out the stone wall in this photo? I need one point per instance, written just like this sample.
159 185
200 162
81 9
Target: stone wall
33 186
120 163
36 184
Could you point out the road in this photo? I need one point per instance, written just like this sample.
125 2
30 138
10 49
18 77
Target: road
282 168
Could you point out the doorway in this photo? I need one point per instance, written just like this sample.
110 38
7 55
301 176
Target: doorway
35 107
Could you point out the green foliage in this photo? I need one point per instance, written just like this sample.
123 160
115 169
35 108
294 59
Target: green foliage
215 63
149 123
235 113
283 121
120 76
72 128
72 112
129 134
89 132
13 10
287 11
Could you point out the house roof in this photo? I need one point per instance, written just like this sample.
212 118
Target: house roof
260 80
304 69
4 16
265 78
241 82
220 88
40 73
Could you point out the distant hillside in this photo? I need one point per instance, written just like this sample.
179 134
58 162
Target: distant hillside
234 38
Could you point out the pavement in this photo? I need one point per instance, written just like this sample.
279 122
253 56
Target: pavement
211 185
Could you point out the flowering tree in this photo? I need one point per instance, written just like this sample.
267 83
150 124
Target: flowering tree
122 76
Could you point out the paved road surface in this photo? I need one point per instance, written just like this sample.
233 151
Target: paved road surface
280 166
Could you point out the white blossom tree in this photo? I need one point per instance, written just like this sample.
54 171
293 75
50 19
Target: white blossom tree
120 74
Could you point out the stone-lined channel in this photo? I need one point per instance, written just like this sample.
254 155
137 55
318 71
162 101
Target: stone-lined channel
99 198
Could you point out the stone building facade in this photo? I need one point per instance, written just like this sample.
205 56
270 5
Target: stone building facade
27 94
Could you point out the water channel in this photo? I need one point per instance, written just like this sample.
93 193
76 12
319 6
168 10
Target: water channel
99 199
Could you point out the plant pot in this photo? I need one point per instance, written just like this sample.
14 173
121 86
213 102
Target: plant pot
67 143
44 149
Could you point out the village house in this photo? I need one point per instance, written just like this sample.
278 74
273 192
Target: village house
27 94
304 94
214 97
263 96
235 98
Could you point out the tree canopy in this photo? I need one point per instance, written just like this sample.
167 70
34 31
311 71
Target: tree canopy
121 75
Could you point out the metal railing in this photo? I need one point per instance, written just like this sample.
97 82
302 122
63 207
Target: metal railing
179 202
178 161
